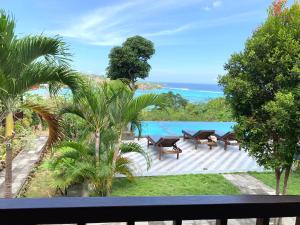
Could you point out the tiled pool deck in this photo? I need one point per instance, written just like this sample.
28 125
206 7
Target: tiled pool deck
194 161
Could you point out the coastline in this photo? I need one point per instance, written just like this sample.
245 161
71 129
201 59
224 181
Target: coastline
192 92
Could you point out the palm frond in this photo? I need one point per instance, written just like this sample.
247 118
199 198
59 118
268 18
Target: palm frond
7 27
51 119
79 147
142 102
41 73
123 167
135 147
71 109
31 48
136 124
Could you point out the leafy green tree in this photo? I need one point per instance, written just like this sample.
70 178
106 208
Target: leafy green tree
130 61
213 110
24 63
262 87
174 100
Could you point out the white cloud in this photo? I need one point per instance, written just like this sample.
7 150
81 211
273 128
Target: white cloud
169 31
111 25
216 3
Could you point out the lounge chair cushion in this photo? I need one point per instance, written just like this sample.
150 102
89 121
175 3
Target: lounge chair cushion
213 138
203 140
232 142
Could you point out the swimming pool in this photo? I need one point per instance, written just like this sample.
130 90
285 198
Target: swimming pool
174 128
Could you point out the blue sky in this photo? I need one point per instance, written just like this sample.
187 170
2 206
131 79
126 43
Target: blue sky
193 38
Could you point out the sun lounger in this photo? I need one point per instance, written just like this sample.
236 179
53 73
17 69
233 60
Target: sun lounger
161 143
228 138
199 137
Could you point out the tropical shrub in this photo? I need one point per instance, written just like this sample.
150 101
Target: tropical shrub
75 163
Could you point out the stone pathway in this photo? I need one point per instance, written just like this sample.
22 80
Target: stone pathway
249 185
252 186
22 165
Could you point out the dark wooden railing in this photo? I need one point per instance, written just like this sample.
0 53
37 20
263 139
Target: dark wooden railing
132 209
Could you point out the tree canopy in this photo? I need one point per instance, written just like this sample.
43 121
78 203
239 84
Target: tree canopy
262 87
130 61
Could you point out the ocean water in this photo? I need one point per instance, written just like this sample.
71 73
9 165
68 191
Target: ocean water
174 128
192 92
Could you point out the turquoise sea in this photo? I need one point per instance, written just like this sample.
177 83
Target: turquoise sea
191 92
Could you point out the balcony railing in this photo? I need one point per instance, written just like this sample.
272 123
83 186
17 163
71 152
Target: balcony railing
132 209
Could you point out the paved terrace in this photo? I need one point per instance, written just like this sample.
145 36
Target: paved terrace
194 161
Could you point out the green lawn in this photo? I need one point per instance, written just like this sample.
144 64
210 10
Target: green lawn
269 179
199 184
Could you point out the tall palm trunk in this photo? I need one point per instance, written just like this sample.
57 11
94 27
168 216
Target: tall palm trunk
97 146
117 148
9 128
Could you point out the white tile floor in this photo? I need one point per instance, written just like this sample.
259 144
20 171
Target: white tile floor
194 161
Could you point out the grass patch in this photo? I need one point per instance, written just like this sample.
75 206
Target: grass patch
194 184
269 179
40 185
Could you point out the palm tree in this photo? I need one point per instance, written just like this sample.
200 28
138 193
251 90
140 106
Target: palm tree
109 105
24 63
74 163
91 104
126 109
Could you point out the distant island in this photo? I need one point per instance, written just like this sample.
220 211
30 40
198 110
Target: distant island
141 85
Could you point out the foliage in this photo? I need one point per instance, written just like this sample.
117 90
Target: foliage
262 87
213 110
277 7
174 100
24 130
75 163
104 111
73 127
130 61
26 62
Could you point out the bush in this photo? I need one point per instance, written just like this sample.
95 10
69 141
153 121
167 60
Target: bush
214 110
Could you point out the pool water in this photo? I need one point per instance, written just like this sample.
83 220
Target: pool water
174 128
